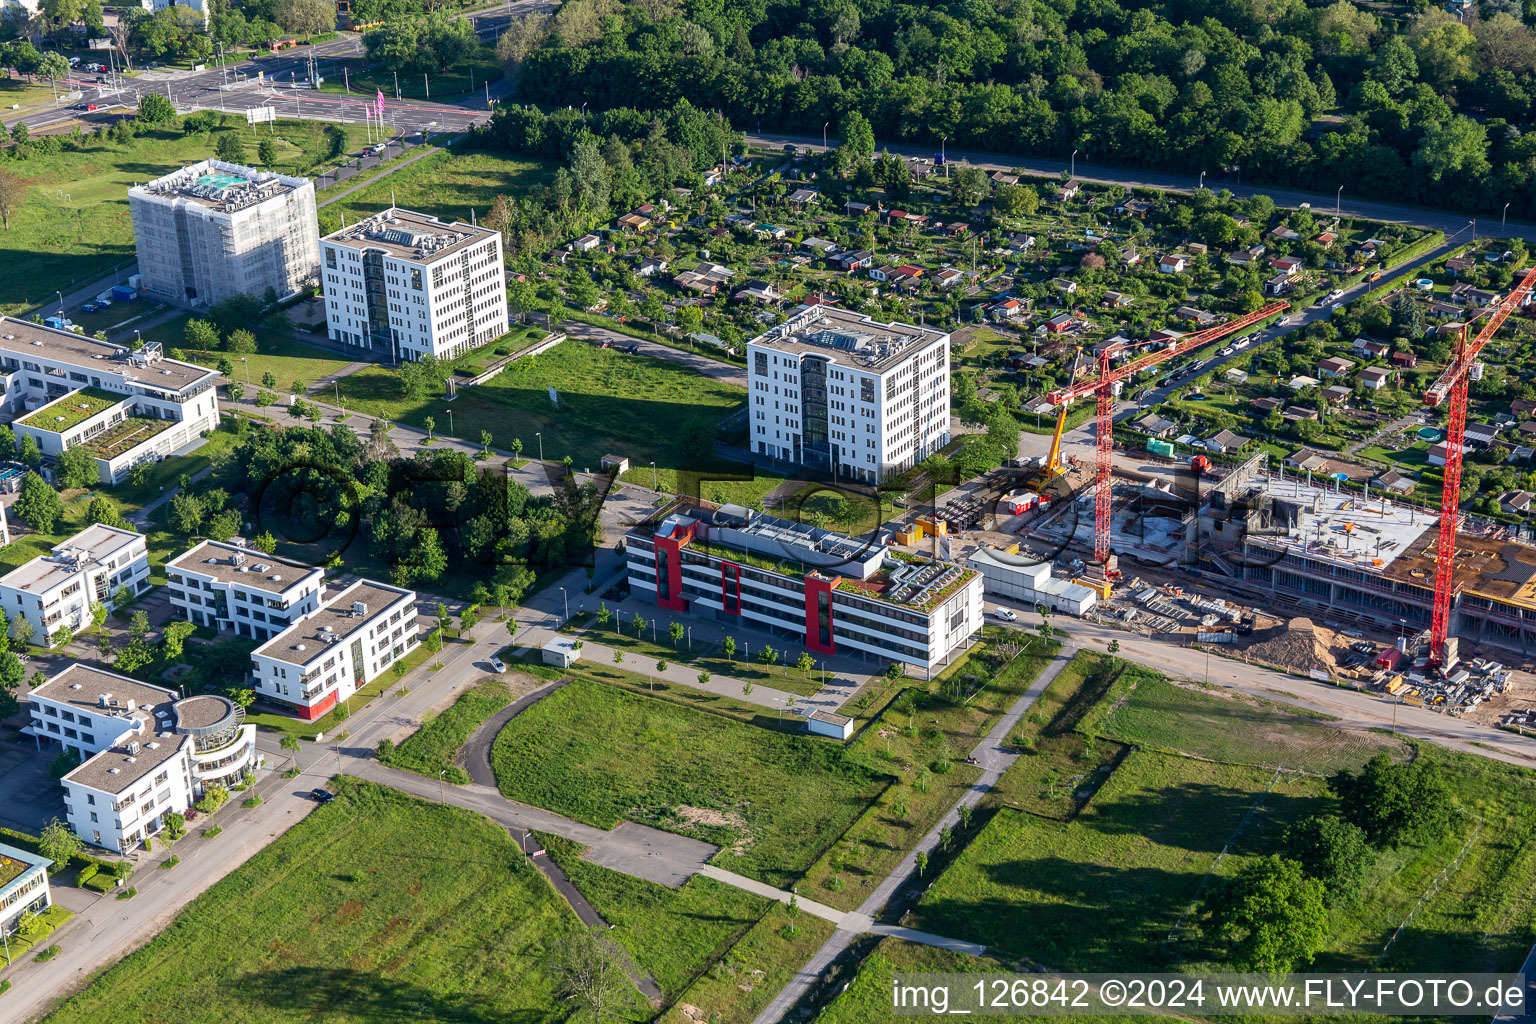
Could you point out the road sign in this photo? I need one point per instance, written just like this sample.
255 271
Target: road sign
260 115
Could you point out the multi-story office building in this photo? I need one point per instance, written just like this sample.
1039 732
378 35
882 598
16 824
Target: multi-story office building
848 394
831 593
146 751
56 590
214 230
125 407
23 887
234 588
320 661
402 285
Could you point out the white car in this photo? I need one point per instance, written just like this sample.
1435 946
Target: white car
1006 614
1226 351
497 666
1241 343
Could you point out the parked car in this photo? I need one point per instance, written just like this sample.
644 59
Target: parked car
1226 351
89 307
1006 614
497 666
321 796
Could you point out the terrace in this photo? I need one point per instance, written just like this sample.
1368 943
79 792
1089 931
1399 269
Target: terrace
125 436
70 411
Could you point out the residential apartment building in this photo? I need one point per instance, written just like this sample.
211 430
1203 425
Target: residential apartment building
228 587
23 887
57 590
145 750
124 407
843 392
323 659
826 592
402 285
214 230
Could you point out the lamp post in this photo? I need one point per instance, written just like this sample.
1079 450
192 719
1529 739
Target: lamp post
442 793
567 599
448 411
1501 218
1072 173
943 142
540 436
137 341
1338 199
1202 182
247 363
61 304
655 480
824 135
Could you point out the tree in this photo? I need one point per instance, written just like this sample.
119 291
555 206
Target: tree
187 513
229 147
268 380
155 108
602 615
266 543
729 646
920 861
290 743
431 425
75 467
1016 200
767 655
241 342
1334 852
58 842
173 637
589 969
675 631
968 185
804 663
138 624
305 17
266 151
28 453
122 597
485 443
201 335
638 622
37 504
855 135
13 192
1272 915
53 67
1395 803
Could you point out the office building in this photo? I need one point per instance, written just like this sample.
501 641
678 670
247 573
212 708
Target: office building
57 590
228 587
145 750
323 659
124 407
402 285
23 887
215 230
842 392
825 592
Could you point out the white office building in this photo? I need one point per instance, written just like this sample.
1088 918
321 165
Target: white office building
124 407
58 589
23 887
242 590
146 751
320 661
214 230
843 392
402 285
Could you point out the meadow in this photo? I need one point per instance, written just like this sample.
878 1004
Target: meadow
453 184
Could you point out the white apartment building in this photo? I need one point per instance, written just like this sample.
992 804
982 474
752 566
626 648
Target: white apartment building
23 887
213 230
405 285
146 751
843 392
320 661
125 407
822 591
242 590
58 589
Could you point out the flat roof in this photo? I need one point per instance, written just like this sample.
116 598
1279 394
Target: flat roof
410 236
117 768
849 339
94 544
335 617
230 563
1344 527
82 686
16 863
23 340
202 710
1492 567
220 186
72 409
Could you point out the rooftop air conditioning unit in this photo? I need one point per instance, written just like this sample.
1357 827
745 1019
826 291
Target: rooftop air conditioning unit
133 747
359 608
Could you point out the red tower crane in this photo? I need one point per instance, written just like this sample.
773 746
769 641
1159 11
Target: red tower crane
1453 383
1103 388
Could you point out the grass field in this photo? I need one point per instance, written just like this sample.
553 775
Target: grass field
74 224
285 359
734 484
735 990
374 907
432 748
448 185
673 934
772 801
644 408
1114 886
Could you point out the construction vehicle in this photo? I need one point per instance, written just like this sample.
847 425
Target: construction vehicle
1105 387
1453 384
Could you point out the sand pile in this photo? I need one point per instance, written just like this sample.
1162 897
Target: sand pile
1296 646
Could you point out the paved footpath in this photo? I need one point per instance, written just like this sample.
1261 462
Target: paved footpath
995 758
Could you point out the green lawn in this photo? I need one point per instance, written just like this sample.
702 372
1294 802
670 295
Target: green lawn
456 83
74 224
431 749
772 801
673 934
734 484
375 907
448 185
285 359
609 402
739 987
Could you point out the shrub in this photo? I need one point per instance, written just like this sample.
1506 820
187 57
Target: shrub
252 801
127 894
170 862
209 833
86 874
47 954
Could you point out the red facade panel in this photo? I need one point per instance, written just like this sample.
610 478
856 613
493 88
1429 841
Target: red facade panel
818 614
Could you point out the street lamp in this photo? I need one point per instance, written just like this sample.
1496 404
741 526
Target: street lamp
655 483
137 341
824 135
567 599
448 411
1501 218
1338 199
1202 182
61 304
1073 172
943 142
247 363
540 436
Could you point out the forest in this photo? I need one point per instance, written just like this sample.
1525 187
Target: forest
1416 106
